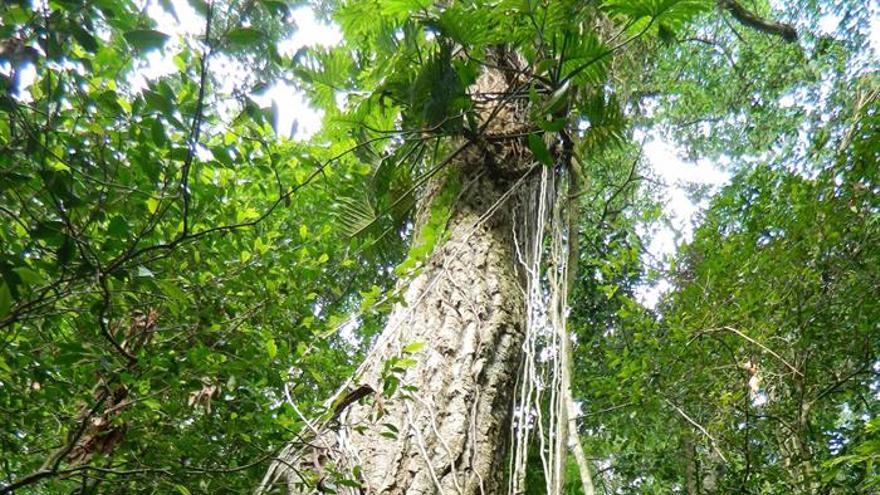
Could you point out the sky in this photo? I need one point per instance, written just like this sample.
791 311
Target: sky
675 174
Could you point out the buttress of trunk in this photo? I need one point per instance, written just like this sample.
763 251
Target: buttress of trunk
446 429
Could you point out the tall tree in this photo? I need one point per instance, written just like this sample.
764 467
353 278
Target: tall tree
510 84
182 287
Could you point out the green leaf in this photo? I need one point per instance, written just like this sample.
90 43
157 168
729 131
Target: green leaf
406 363
160 102
28 276
554 125
199 6
545 65
171 290
5 300
390 386
402 8
245 36
271 348
276 7
414 347
85 39
146 39
539 149
5 369
349 483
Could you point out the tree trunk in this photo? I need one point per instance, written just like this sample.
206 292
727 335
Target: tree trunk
467 308
691 470
574 439
447 428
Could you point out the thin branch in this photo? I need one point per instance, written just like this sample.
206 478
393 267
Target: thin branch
762 346
197 122
606 410
102 319
52 463
839 383
699 427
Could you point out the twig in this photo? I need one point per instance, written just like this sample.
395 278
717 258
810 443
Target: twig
699 427
197 121
50 466
762 346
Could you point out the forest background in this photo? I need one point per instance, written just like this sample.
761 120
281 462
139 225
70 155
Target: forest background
209 208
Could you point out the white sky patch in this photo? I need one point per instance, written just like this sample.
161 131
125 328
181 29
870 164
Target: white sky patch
158 63
187 21
680 210
26 76
296 118
874 38
348 332
309 32
829 22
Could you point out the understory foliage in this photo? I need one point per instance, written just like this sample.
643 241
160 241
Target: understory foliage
183 284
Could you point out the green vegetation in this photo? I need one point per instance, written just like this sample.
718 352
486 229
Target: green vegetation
182 284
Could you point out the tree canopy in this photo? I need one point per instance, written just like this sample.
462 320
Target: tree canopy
183 283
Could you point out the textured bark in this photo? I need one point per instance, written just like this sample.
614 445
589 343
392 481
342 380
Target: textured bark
689 454
447 428
467 307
